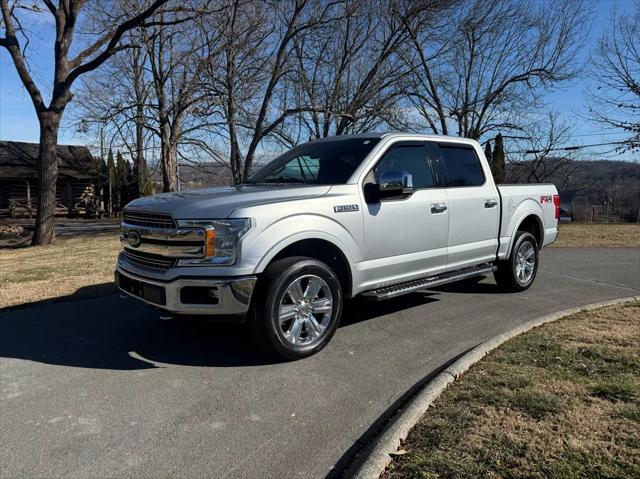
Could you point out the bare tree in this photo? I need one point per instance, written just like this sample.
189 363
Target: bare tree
138 60
349 76
156 91
616 100
481 69
67 69
250 74
543 158
177 58
113 103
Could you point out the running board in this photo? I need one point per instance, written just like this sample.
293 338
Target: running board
392 291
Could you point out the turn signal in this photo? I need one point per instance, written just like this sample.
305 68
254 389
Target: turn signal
210 242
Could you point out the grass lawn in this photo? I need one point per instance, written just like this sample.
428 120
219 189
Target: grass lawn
598 235
60 269
562 401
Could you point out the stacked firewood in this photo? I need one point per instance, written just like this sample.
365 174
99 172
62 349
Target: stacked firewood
12 230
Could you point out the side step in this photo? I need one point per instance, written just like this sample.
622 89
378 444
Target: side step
392 291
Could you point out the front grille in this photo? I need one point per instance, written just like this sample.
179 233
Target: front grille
149 260
151 220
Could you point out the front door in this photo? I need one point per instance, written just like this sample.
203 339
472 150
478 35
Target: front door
407 235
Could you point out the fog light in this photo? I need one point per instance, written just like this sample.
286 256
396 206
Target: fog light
199 295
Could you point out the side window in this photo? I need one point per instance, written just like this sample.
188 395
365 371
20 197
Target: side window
460 166
410 158
301 168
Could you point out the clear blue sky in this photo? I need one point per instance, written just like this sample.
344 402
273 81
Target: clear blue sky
18 121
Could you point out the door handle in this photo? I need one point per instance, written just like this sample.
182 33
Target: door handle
490 203
438 207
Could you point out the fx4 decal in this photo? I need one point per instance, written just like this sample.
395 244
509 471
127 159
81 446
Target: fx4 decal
546 199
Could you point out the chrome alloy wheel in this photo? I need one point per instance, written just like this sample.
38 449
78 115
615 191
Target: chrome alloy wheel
525 262
305 310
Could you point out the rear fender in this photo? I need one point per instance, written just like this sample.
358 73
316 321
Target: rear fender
528 207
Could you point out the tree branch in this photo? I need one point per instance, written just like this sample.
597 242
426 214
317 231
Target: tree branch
10 42
113 42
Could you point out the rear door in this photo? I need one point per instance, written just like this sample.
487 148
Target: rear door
405 236
474 205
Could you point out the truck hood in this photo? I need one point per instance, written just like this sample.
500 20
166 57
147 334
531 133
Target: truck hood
220 202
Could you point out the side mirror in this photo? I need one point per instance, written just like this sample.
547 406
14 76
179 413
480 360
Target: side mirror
395 183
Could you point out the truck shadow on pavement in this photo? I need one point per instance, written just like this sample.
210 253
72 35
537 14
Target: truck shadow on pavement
472 286
111 332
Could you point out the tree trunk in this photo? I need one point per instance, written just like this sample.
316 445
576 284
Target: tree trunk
141 165
237 170
168 155
47 178
170 167
235 157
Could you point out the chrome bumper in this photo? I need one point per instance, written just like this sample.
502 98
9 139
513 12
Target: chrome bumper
233 294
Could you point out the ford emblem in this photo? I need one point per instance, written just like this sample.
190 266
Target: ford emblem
134 238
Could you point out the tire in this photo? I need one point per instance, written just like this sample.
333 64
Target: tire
514 274
291 321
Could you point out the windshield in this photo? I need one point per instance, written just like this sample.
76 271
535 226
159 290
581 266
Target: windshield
321 163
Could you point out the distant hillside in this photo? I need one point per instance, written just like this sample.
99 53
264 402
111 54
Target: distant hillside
203 175
599 189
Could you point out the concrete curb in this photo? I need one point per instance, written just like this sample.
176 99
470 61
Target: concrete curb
376 457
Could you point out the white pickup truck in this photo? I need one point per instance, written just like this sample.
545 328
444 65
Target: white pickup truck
374 215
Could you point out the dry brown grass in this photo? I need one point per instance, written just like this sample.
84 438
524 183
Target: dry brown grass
562 401
58 270
598 235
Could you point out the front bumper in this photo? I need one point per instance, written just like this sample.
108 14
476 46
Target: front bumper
206 296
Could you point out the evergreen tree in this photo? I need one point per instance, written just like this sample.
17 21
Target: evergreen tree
122 181
497 163
488 153
112 185
148 183
132 183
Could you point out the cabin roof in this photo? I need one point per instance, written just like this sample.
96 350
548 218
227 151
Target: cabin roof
20 160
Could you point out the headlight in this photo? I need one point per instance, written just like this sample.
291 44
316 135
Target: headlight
221 240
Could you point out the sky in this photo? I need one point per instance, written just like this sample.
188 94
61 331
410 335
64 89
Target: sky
18 121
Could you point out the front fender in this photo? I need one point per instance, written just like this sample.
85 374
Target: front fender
286 231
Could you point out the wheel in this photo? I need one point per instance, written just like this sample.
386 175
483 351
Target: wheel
297 308
518 272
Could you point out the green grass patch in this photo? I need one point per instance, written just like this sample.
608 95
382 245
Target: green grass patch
619 388
631 412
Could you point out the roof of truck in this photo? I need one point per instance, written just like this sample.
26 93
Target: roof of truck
394 134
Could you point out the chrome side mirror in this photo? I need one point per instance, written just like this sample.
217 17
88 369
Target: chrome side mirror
395 182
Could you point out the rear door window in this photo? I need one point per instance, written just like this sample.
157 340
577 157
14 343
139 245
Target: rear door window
459 165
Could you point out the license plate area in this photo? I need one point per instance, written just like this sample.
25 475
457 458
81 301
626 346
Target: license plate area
149 292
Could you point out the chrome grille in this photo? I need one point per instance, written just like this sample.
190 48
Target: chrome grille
149 260
151 220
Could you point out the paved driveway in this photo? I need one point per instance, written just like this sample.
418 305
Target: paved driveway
102 388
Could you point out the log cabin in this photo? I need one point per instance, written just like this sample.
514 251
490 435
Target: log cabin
78 172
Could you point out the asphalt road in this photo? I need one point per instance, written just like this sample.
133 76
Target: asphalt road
102 388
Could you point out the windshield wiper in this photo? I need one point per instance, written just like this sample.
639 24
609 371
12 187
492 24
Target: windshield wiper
284 179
